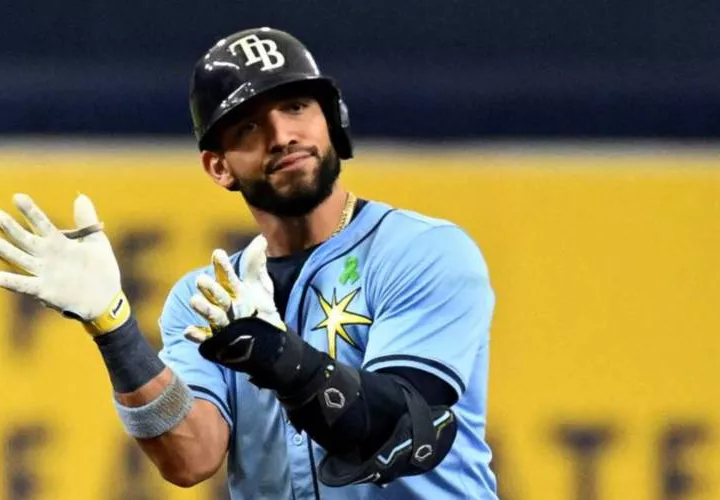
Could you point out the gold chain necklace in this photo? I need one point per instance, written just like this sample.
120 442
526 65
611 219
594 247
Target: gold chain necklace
347 214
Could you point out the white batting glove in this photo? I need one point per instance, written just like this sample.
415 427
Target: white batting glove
74 272
227 297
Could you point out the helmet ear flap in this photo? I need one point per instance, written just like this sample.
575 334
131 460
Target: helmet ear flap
343 113
339 122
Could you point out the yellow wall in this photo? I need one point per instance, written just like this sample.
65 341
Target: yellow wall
606 274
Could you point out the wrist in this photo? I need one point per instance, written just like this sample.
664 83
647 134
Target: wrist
115 315
274 359
129 359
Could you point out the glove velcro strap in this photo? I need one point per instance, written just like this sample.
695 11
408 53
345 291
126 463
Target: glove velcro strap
112 318
81 232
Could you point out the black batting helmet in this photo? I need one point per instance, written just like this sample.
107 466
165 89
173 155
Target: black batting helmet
249 63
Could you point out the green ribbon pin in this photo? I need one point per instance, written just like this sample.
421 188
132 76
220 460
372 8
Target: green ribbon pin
350 271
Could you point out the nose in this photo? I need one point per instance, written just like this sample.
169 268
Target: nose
282 132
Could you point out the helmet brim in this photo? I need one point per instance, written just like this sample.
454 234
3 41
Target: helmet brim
231 109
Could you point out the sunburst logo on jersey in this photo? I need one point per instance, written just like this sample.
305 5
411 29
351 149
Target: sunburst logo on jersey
337 317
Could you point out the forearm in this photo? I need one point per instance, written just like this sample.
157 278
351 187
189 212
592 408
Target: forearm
397 434
365 425
194 449
371 419
376 427
185 437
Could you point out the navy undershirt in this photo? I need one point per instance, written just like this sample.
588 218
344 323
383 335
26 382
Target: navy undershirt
285 270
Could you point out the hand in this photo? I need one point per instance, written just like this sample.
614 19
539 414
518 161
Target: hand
227 297
246 333
74 272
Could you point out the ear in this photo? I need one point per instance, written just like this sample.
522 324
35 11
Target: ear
217 168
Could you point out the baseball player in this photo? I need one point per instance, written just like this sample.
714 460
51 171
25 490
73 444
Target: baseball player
343 355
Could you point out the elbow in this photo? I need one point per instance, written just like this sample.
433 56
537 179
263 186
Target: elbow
187 477
183 481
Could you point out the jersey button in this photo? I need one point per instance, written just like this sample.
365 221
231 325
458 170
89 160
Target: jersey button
297 439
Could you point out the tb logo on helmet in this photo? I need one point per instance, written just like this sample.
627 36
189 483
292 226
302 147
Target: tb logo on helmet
259 51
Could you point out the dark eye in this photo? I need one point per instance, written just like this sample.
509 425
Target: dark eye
246 128
296 106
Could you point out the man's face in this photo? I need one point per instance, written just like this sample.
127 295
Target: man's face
280 155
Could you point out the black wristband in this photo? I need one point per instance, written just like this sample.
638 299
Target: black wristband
129 359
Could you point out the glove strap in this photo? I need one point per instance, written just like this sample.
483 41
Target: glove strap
114 316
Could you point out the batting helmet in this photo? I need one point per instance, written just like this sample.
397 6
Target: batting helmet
250 63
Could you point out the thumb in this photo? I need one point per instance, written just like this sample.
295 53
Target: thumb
85 214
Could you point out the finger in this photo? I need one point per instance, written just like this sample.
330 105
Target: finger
212 313
243 307
28 285
32 213
225 274
254 259
23 238
197 334
214 292
16 257
84 211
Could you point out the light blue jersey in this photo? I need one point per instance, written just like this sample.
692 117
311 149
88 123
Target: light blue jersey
393 289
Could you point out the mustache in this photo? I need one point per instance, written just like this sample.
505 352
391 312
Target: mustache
288 150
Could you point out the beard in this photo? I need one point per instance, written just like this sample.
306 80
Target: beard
302 199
